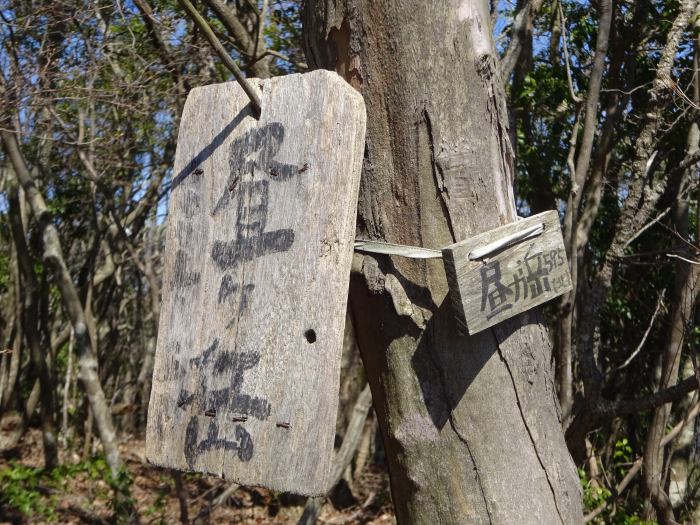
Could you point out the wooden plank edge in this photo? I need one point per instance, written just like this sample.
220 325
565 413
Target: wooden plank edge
321 490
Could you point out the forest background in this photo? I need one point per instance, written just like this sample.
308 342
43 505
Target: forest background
603 99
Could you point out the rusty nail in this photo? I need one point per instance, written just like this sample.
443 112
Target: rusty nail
210 413
240 418
283 425
303 168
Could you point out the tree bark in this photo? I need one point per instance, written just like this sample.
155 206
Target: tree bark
53 257
685 294
250 45
643 195
520 45
31 323
11 362
470 424
579 176
681 466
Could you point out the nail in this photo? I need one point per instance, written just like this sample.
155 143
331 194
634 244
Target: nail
210 413
240 418
303 168
283 425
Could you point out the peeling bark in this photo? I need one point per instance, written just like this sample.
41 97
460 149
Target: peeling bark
470 424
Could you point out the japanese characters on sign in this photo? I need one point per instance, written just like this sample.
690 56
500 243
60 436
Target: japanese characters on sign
508 281
258 254
530 280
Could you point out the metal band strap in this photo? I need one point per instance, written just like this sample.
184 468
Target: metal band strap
416 252
412 252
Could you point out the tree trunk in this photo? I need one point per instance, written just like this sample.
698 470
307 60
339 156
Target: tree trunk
681 466
53 258
30 324
470 424
685 294
11 362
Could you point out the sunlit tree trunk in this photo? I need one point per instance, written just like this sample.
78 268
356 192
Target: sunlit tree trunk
470 424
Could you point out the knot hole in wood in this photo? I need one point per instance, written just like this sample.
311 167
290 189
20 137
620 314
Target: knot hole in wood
310 336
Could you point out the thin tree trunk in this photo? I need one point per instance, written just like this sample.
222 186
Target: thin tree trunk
12 361
146 374
10 439
470 424
246 42
31 331
10 312
520 46
681 468
181 492
66 388
642 197
680 462
579 176
53 256
687 288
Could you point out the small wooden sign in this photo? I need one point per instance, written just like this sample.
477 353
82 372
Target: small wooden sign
258 255
503 272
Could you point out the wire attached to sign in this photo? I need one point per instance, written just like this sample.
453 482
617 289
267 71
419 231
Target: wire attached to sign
497 245
412 252
416 252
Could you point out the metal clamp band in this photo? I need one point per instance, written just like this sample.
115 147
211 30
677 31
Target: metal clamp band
479 253
413 252
416 252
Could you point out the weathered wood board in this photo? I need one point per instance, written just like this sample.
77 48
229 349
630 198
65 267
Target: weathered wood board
258 254
518 277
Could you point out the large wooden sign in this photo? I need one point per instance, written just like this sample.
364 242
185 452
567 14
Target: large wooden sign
258 254
503 272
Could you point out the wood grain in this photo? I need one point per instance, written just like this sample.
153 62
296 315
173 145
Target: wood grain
258 252
487 291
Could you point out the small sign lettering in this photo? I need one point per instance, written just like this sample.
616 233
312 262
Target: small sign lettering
510 281
529 280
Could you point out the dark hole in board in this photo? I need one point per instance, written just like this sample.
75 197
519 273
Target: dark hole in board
310 335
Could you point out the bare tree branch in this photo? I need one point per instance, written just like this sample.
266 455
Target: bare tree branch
522 29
